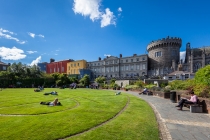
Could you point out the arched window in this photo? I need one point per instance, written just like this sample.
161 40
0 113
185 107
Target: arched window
197 66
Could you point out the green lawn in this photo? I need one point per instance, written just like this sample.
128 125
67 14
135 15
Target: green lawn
126 117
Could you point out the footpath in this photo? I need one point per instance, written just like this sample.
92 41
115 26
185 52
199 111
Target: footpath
175 124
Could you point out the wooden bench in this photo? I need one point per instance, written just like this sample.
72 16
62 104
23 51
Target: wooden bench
196 107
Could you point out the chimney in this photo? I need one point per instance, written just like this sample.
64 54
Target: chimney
134 54
52 60
99 58
120 55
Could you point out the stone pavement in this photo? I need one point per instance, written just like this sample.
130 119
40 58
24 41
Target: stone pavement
175 124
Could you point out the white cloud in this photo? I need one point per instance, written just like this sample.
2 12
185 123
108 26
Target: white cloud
33 35
182 55
119 9
36 61
107 55
107 18
11 53
4 34
5 31
91 8
42 36
31 52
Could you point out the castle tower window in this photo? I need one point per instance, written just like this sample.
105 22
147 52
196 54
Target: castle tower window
143 66
158 54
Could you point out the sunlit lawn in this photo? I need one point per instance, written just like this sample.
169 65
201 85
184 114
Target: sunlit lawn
23 118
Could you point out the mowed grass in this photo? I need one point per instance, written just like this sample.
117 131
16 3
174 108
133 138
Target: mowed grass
23 118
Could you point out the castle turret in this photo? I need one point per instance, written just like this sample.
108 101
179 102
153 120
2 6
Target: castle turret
162 52
188 49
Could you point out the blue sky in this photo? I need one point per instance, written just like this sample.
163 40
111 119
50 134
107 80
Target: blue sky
34 31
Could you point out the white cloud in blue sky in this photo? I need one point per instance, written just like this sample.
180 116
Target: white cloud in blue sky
7 35
182 55
36 61
31 52
33 35
107 55
91 8
11 53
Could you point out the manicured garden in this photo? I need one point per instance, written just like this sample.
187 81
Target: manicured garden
93 114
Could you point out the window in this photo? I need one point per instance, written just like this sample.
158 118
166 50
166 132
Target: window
143 58
116 68
126 67
158 54
95 64
121 61
137 59
126 60
71 65
116 61
54 70
58 69
122 68
173 53
4 68
78 64
62 69
74 64
131 67
137 67
131 60
197 66
99 64
186 76
143 66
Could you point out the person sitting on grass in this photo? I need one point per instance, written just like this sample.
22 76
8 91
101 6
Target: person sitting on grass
52 93
53 103
37 90
192 100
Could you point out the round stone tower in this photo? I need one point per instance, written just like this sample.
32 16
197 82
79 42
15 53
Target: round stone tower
164 54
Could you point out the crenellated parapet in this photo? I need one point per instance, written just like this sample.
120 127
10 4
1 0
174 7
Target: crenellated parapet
164 42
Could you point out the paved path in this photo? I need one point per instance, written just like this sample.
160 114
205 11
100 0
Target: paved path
175 124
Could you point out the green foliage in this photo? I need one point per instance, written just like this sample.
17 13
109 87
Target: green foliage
100 79
182 85
202 76
112 81
85 80
139 83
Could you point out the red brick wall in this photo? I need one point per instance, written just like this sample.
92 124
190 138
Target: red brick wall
57 67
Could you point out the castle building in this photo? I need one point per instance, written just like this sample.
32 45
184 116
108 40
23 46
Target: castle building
196 58
120 68
164 55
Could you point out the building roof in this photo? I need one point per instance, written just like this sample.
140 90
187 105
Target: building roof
179 73
199 51
2 63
